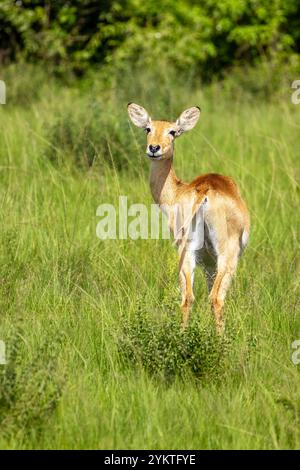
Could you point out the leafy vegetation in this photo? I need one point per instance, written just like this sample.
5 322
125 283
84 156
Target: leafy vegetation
164 350
207 36
29 390
96 357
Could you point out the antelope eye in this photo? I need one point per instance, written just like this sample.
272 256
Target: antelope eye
148 130
172 133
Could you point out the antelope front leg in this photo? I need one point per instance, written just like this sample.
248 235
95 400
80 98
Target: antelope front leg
186 278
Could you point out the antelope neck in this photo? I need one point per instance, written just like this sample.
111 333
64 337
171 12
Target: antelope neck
163 181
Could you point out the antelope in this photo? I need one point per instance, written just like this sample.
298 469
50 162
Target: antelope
223 216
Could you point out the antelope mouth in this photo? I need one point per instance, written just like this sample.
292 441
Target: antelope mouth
154 156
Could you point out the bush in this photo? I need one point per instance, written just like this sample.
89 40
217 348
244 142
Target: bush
25 83
208 36
266 81
163 349
30 393
88 132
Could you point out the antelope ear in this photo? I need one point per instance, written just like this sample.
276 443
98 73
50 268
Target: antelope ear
188 119
138 115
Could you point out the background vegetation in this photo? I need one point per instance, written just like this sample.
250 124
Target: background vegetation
95 354
207 35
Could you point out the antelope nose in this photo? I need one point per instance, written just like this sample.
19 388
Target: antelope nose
154 148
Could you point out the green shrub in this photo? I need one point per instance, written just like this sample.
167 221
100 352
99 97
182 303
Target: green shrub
30 389
25 83
88 133
207 35
164 349
266 81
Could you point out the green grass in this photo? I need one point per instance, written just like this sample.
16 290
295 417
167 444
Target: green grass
96 357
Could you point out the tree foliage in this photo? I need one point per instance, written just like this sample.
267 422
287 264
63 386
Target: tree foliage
207 35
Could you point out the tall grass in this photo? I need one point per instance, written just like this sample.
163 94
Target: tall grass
95 354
